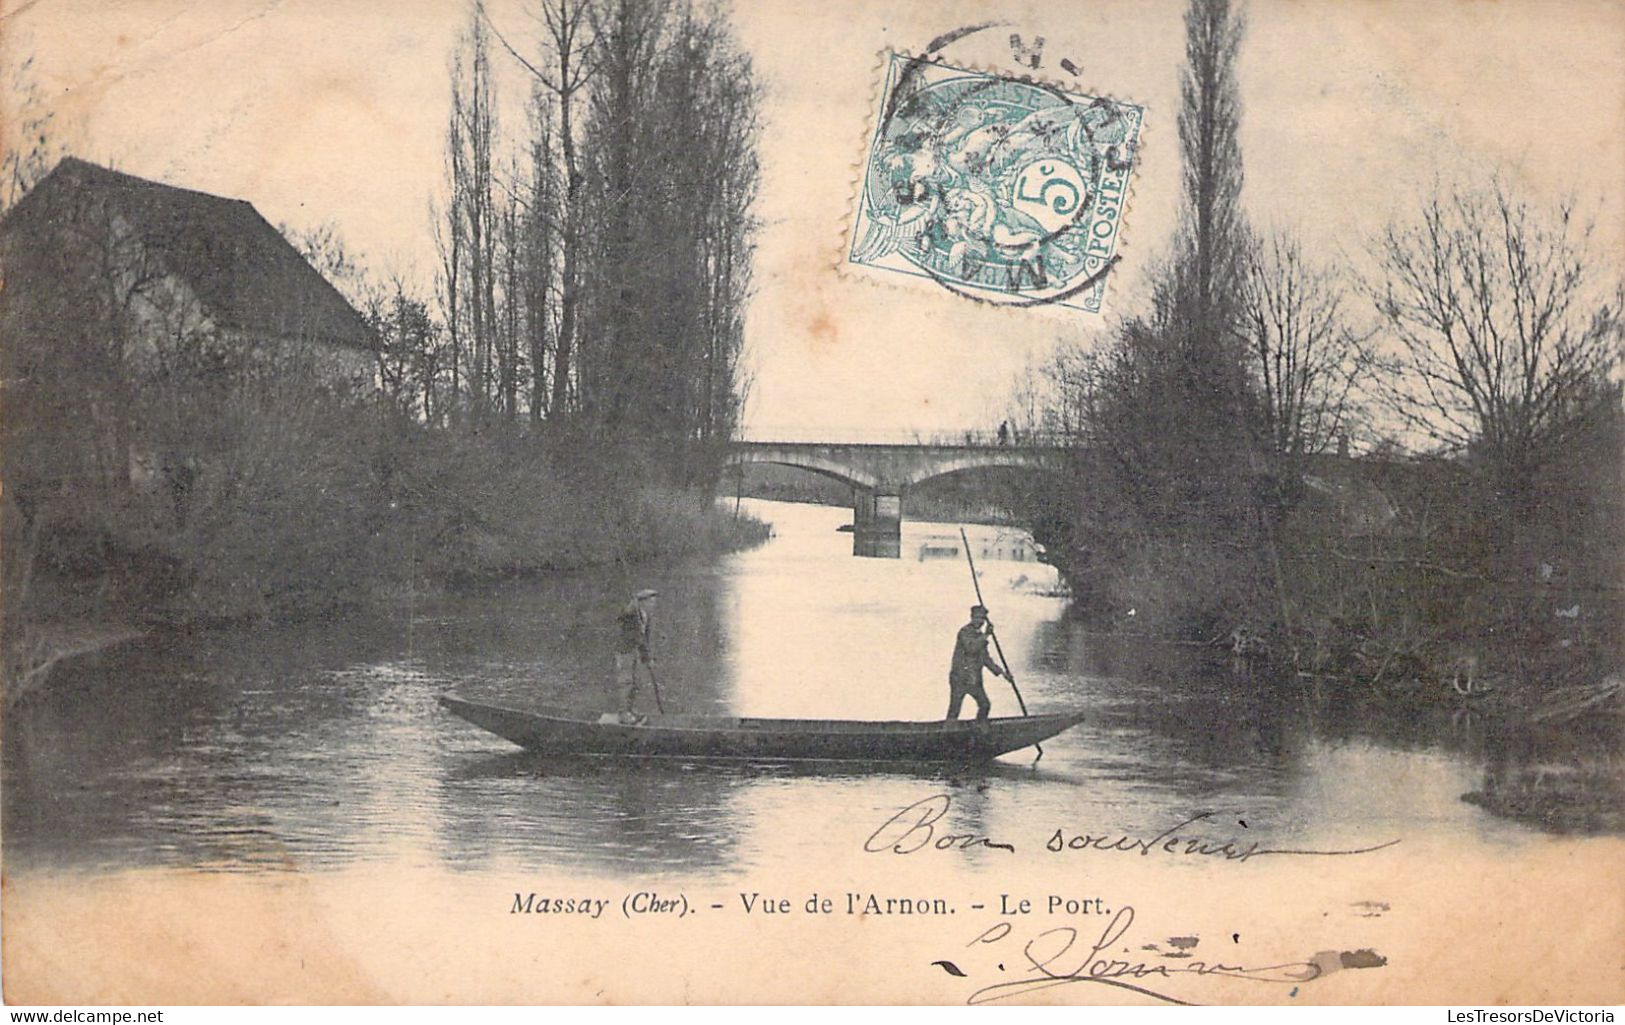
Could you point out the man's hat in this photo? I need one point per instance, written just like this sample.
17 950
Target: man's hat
975 609
647 592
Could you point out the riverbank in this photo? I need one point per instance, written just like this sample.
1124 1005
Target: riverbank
34 649
328 510
67 620
1583 796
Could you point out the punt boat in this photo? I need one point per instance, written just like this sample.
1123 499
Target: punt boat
560 731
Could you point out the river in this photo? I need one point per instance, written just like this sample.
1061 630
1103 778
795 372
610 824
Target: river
321 746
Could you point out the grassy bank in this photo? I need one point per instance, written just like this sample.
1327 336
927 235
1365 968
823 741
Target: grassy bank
1415 589
321 507
1419 578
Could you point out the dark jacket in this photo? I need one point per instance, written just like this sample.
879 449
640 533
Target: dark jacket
970 655
634 635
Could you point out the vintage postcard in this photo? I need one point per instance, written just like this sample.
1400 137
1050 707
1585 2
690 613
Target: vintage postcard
650 501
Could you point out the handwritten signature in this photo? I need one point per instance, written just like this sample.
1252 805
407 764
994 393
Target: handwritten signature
1054 960
917 827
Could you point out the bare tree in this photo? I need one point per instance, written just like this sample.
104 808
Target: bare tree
469 240
478 108
449 244
30 145
567 66
324 248
409 345
625 205
1213 231
508 358
541 233
1304 358
637 325
669 282
1502 324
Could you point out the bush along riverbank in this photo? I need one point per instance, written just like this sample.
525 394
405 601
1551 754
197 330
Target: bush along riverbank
1408 579
1415 589
326 507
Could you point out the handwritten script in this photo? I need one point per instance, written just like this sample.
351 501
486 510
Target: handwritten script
916 828
1056 957
919 827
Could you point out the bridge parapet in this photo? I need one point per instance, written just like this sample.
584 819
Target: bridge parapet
977 438
885 465
881 473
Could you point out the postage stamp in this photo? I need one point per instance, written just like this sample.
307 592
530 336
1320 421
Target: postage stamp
1000 189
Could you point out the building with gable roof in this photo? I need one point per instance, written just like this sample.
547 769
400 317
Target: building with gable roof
246 280
119 289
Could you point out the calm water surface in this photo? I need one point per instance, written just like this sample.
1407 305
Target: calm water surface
323 745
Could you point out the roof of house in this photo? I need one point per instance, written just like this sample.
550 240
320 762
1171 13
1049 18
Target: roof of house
243 271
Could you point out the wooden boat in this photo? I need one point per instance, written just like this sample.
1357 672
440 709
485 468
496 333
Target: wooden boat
558 731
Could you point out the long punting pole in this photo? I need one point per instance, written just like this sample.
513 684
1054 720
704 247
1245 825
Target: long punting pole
658 703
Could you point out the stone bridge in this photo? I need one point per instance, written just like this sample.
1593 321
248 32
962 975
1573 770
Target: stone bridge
881 474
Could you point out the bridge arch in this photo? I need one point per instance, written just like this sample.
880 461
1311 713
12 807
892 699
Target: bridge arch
880 475
825 466
1038 462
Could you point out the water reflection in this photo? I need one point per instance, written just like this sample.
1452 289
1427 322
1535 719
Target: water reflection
579 812
321 745
586 813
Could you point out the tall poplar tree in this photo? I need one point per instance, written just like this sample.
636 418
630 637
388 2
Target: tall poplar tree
1162 514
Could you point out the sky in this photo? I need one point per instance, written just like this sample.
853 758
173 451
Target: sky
333 111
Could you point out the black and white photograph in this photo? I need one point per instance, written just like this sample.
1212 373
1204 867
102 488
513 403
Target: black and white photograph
717 502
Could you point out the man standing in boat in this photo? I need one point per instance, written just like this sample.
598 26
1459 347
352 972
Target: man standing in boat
970 656
632 648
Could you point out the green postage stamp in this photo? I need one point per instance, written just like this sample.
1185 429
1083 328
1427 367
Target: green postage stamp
1000 189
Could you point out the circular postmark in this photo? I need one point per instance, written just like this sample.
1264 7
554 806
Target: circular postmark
999 188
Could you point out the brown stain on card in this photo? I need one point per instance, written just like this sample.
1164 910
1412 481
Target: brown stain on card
822 330
1329 961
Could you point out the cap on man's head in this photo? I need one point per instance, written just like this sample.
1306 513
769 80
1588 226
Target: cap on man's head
978 610
647 592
